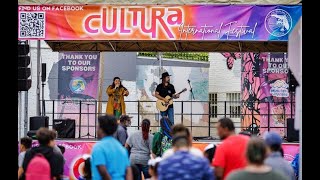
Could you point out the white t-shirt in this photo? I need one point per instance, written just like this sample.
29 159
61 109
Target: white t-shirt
192 150
21 158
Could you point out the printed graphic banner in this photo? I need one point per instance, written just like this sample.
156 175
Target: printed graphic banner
189 22
267 101
76 152
78 80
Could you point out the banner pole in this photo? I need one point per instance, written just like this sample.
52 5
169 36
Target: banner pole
101 78
38 77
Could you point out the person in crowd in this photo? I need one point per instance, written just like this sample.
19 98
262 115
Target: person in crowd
46 141
180 129
245 133
87 169
295 165
62 149
230 154
256 153
153 166
136 172
116 92
121 134
140 143
275 159
209 152
56 149
25 144
282 152
162 140
182 164
109 159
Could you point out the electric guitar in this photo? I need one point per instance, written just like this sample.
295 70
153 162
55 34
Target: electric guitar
163 106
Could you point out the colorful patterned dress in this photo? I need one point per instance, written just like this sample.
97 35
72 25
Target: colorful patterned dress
117 104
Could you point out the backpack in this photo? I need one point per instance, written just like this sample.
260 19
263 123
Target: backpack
166 143
162 139
156 143
38 168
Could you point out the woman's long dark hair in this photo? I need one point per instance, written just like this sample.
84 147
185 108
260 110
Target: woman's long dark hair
113 85
87 169
145 125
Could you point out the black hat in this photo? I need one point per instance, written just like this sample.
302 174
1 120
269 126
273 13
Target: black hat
165 74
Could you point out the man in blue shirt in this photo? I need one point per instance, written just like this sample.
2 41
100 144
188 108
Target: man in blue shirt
183 165
121 134
109 159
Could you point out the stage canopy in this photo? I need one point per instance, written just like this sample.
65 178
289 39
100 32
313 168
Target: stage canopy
169 46
197 28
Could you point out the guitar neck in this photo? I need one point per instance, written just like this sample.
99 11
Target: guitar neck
177 93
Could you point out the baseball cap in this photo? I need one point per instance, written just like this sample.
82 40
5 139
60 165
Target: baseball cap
153 162
210 146
125 118
272 138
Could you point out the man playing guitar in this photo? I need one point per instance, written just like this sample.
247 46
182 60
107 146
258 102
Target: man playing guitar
166 89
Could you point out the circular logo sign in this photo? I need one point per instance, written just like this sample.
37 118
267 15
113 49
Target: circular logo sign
278 22
77 85
77 167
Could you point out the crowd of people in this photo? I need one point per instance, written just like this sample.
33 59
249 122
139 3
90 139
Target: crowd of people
165 155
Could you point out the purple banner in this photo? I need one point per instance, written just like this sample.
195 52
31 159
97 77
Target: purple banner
158 22
78 80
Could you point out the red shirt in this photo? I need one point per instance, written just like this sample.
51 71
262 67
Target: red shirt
230 154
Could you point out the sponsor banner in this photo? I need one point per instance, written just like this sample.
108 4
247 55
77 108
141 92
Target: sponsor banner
78 79
188 22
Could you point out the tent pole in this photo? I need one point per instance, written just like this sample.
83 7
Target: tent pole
101 78
159 56
38 77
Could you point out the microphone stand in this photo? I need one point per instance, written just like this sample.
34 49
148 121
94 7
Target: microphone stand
192 98
43 102
88 124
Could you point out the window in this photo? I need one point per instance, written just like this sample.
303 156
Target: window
233 99
213 105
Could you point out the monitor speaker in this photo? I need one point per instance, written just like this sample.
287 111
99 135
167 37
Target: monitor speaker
292 134
37 122
66 128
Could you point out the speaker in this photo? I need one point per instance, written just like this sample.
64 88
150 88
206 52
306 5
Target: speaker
292 134
66 128
37 122
293 83
43 72
23 61
24 73
23 49
24 84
